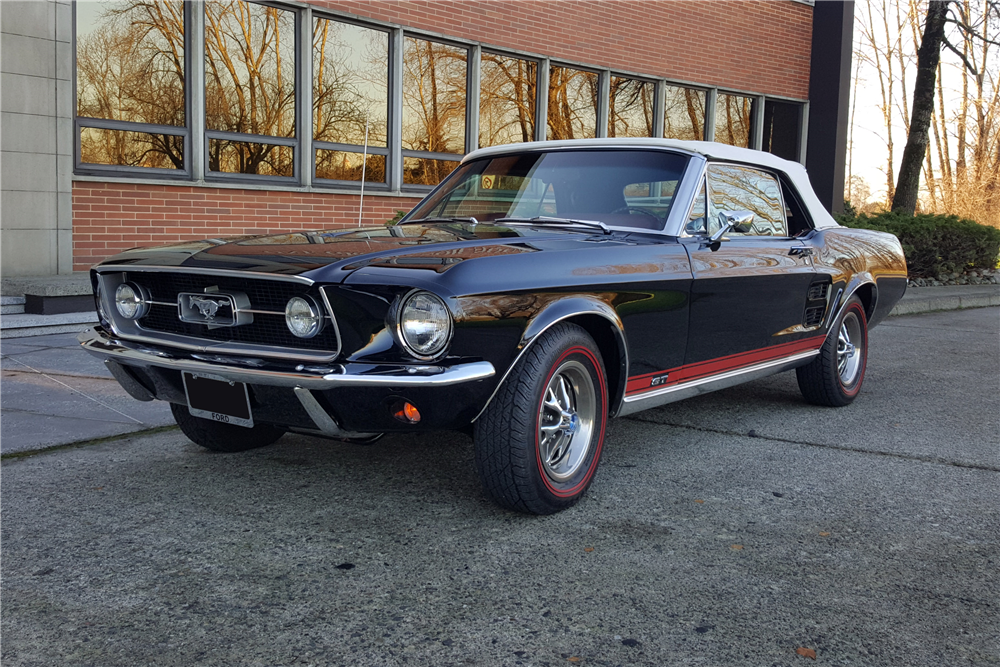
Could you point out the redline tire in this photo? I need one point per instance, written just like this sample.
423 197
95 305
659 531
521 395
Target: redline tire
218 437
835 376
538 444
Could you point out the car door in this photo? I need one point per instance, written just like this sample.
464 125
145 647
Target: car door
750 289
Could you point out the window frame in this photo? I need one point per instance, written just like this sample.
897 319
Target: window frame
295 141
317 144
82 122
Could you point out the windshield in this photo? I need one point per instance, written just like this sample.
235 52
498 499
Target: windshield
620 188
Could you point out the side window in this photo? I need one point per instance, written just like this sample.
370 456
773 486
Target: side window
738 188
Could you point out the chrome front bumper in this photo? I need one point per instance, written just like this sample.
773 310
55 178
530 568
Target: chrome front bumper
105 345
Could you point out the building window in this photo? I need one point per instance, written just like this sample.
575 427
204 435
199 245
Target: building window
630 107
131 89
684 113
782 128
350 97
573 103
733 119
507 95
434 100
250 89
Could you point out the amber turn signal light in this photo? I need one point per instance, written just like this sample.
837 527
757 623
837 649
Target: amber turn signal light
407 412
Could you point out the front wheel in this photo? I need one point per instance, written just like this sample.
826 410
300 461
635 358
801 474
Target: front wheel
834 377
223 437
539 441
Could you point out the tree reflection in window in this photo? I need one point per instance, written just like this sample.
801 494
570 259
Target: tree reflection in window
433 96
506 100
733 119
736 188
350 83
573 98
130 68
630 110
249 83
684 113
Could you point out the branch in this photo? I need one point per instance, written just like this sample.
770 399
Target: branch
961 56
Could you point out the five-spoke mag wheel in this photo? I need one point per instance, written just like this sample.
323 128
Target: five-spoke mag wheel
539 441
834 377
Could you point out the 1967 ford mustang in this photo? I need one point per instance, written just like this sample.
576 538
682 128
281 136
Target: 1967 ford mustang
538 291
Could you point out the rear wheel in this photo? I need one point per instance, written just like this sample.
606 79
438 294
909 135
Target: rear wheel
223 437
834 377
539 442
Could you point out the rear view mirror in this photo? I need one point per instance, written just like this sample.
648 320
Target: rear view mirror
740 222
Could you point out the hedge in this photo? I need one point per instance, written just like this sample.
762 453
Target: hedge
935 244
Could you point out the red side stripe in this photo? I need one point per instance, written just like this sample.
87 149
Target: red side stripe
641 383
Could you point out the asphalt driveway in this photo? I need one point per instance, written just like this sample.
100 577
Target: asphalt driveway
731 529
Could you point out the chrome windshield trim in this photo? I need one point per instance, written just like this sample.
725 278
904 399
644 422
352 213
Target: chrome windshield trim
102 345
232 273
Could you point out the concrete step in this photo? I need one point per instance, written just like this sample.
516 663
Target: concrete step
11 305
23 325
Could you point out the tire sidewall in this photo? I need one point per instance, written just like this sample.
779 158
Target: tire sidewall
851 390
568 492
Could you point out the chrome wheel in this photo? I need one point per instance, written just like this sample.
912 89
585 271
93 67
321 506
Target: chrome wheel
566 420
848 355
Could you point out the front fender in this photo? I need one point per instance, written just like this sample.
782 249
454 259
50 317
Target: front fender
600 320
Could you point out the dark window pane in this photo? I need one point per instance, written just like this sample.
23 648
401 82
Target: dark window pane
572 104
346 166
782 125
733 119
244 157
506 100
424 171
631 108
249 68
350 83
684 114
433 96
130 61
131 149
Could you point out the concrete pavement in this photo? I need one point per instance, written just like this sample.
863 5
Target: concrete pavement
729 529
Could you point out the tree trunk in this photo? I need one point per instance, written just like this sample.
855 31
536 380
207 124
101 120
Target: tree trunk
928 57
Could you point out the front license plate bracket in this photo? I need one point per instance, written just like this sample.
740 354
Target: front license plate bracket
218 399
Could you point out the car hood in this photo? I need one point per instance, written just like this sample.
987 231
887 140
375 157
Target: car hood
330 256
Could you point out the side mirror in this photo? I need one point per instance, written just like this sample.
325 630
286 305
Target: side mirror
737 221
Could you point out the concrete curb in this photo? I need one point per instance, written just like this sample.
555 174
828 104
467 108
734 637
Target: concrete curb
931 299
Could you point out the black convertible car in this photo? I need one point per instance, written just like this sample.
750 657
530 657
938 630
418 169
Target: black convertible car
539 290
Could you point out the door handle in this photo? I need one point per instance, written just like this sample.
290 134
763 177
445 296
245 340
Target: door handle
801 251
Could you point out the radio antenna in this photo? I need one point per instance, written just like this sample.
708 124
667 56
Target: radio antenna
364 164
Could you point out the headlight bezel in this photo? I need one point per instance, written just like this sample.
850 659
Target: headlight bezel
398 320
316 311
141 301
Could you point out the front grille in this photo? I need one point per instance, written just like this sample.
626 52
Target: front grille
267 330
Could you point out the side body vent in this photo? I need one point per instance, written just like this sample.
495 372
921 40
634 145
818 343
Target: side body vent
816 304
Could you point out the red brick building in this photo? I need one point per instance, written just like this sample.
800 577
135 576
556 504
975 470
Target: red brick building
224 118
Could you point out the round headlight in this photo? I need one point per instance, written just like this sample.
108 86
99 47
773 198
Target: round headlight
303 317
129 301
424 324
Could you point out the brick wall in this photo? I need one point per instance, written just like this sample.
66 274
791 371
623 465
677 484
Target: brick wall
110 217
759 46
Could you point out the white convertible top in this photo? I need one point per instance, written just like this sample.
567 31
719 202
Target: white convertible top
711 150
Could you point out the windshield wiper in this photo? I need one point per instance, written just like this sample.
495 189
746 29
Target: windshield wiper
560 221
469 219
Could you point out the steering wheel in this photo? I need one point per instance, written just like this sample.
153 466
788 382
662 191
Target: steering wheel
638 209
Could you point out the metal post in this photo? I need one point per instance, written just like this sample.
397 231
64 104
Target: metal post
472 98
303 96
659 108
395 165
542 100
711 99
196 82
603 102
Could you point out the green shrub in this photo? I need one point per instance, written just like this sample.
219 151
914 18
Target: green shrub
396 218
935 244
